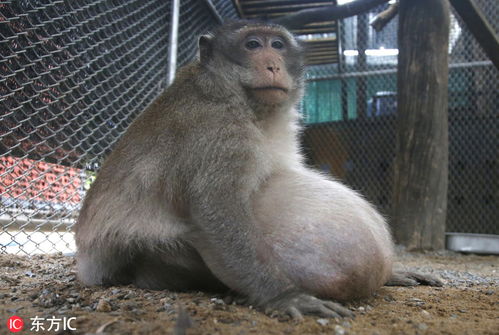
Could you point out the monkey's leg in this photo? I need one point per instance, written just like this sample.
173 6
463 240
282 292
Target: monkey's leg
409 278
177 267
103 266
177 270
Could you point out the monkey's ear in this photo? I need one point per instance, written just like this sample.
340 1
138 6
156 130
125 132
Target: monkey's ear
205 48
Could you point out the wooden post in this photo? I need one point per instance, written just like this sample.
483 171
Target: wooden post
421 163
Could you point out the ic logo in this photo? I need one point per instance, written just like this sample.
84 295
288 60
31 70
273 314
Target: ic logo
15 324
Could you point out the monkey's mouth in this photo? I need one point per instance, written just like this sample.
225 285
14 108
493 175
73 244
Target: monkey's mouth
270 88
268 95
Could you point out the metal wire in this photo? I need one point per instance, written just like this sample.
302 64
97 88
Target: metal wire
350 110
74 74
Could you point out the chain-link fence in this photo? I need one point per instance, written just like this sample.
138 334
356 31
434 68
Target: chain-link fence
350 109
74 74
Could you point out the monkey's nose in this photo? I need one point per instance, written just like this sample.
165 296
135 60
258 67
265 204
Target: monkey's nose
273 69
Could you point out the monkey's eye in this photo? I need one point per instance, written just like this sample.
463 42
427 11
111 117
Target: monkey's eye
253 44
277 44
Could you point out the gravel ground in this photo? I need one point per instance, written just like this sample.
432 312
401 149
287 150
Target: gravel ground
44 286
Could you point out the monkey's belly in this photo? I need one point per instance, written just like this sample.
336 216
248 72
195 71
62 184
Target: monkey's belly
328 240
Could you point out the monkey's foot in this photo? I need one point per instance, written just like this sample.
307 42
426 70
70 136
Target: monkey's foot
408 278
299 305
233 297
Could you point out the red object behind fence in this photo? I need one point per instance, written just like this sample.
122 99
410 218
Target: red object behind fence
27 179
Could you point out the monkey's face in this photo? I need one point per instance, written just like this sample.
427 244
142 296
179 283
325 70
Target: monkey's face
264 60
268 79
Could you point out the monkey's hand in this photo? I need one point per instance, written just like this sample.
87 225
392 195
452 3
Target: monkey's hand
297 305
408 278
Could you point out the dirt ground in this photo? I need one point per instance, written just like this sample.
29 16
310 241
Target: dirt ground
45 287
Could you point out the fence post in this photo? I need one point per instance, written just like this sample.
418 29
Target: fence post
362 44
172 51
421 163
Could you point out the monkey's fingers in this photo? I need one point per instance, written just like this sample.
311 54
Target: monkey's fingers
310 305
236 298
294 313
400 279
407 278
297 312
338 308
319 310
425 279
298 305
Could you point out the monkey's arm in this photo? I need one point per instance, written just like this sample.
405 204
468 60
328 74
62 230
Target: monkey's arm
226 235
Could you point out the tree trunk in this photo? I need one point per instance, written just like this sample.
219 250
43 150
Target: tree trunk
421 163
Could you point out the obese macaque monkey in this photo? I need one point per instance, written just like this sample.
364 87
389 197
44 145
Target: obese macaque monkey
207 190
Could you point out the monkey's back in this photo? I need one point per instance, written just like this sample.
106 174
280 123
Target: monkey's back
144 169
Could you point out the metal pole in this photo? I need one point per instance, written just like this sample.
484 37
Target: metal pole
362 43
341 68
172 52
214 11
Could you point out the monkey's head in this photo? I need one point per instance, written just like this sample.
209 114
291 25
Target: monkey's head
263 61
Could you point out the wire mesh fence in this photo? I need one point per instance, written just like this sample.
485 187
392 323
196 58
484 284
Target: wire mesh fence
351 109
74 74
